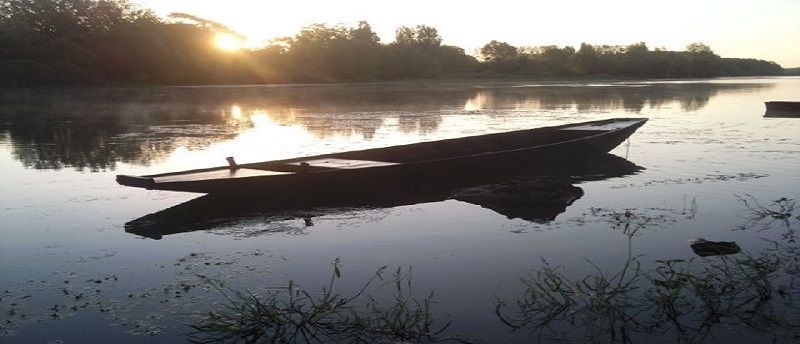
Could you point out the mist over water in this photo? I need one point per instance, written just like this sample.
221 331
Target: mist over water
67 262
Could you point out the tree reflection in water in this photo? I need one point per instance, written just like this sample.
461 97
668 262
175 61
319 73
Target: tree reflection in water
94 129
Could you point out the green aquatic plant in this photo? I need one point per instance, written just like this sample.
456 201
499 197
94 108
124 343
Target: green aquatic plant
632 221
675 299
678 300
764 216
607 305
292 314
692 302
603 304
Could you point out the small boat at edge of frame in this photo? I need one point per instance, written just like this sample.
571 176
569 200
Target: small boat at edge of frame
782 109
402 166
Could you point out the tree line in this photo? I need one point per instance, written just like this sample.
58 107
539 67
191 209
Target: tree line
635 60
97 42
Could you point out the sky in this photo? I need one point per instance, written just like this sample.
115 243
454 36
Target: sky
766 29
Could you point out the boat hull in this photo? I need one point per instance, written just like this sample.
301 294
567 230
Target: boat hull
782 109
537 157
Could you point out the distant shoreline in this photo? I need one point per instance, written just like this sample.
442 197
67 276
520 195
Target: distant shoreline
452 81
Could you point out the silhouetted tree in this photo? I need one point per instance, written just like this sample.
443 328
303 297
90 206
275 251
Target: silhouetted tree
421 36
417 53
324 53
587 60
501 57
699 48
203 23
495 51
635 60
455 62
89 42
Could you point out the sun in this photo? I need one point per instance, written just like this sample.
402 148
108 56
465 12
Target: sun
228 42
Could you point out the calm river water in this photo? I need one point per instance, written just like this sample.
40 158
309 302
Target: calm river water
73 268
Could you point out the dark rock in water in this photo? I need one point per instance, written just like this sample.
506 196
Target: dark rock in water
538 199
705 248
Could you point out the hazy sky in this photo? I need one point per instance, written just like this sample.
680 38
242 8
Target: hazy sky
766 29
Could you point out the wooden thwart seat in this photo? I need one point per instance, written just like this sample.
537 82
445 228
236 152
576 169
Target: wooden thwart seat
342 163
216 174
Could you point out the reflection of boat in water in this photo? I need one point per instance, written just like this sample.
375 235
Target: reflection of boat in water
538 199
782 109
543 203
409 165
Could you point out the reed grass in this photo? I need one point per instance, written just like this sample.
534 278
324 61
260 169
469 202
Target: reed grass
690 300
292 314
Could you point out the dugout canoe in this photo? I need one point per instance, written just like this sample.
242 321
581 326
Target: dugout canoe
402 166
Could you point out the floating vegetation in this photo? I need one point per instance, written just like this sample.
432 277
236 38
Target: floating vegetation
763 217
69 293
742 176
143 328
632 220
292 314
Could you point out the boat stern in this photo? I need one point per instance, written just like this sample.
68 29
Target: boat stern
135 181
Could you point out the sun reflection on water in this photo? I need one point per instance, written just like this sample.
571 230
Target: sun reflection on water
264 133
236 112
476 103
261 135
267 134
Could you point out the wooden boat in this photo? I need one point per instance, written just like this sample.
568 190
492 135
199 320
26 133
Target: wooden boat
403 166
782 109
782 106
